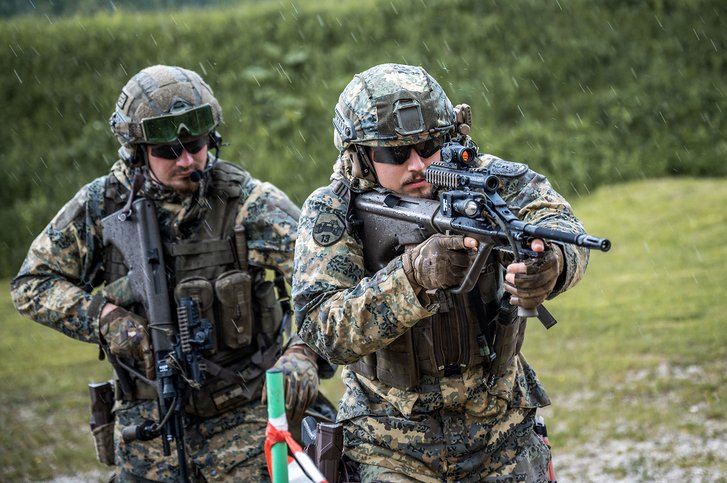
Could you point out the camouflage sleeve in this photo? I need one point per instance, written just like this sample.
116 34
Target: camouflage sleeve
55 282
340 312
532 197
270 219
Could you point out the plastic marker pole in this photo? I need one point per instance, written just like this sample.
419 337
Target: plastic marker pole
276 417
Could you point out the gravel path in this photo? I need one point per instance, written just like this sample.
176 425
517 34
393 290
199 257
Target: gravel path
665 457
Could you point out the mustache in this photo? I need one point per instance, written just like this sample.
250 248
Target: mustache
183 171
414 178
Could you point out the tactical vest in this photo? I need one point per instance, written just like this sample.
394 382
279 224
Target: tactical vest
459 336
209 262
449 343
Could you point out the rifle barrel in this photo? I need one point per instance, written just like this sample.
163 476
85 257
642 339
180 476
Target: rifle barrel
579 239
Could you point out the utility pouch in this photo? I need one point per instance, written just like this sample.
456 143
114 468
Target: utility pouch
233 293
102 420
507 329
271 314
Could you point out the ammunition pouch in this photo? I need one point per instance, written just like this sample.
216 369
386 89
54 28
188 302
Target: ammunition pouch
234 308
270 312
199 289
227 303
102 420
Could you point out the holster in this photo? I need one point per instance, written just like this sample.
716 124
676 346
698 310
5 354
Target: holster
325 447
102 420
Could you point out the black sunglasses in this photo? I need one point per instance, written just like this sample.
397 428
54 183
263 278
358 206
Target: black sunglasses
399 154
174 150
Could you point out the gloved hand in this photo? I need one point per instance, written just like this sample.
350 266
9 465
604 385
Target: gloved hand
440 261
530 282
127 336
300 373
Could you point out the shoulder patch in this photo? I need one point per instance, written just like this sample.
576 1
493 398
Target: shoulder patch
70 211
328 229
508 169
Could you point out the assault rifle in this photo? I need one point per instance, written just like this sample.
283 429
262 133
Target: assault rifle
468 204
178 362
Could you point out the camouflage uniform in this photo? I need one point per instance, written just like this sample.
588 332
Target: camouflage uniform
455 428
65 264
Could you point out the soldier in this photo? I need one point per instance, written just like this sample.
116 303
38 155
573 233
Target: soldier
421 401
221 229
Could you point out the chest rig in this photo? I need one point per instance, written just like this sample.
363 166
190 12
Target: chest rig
445 344
459 336
205 257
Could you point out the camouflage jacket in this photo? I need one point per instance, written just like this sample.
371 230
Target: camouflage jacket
57 281
344 313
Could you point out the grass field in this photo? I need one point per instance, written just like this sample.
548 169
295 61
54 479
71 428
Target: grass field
636 368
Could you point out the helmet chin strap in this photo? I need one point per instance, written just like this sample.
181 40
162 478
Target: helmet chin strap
146 166
141 151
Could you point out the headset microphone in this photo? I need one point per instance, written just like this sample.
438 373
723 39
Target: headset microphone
197 175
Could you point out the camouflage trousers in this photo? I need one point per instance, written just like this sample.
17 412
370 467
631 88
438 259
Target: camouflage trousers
226 448
448 446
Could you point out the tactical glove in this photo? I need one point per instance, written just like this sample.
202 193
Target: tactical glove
531 288
127 336
440 261
300 371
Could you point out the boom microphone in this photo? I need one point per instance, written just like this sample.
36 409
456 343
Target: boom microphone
195 176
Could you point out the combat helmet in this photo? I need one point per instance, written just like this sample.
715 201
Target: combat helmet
161 104
389 105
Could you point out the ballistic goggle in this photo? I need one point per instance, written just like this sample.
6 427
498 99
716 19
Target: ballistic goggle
167 128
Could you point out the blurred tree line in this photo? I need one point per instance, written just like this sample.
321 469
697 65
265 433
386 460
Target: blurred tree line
585 92
9 8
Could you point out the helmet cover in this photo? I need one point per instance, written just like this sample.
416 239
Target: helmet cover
155 92
391 105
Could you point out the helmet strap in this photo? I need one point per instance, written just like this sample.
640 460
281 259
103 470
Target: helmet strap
361 165
215 143
141 153
132 158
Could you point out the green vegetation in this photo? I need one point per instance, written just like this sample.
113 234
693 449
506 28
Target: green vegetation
600 96
45 416
640 349
591 93
642 344
85 7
